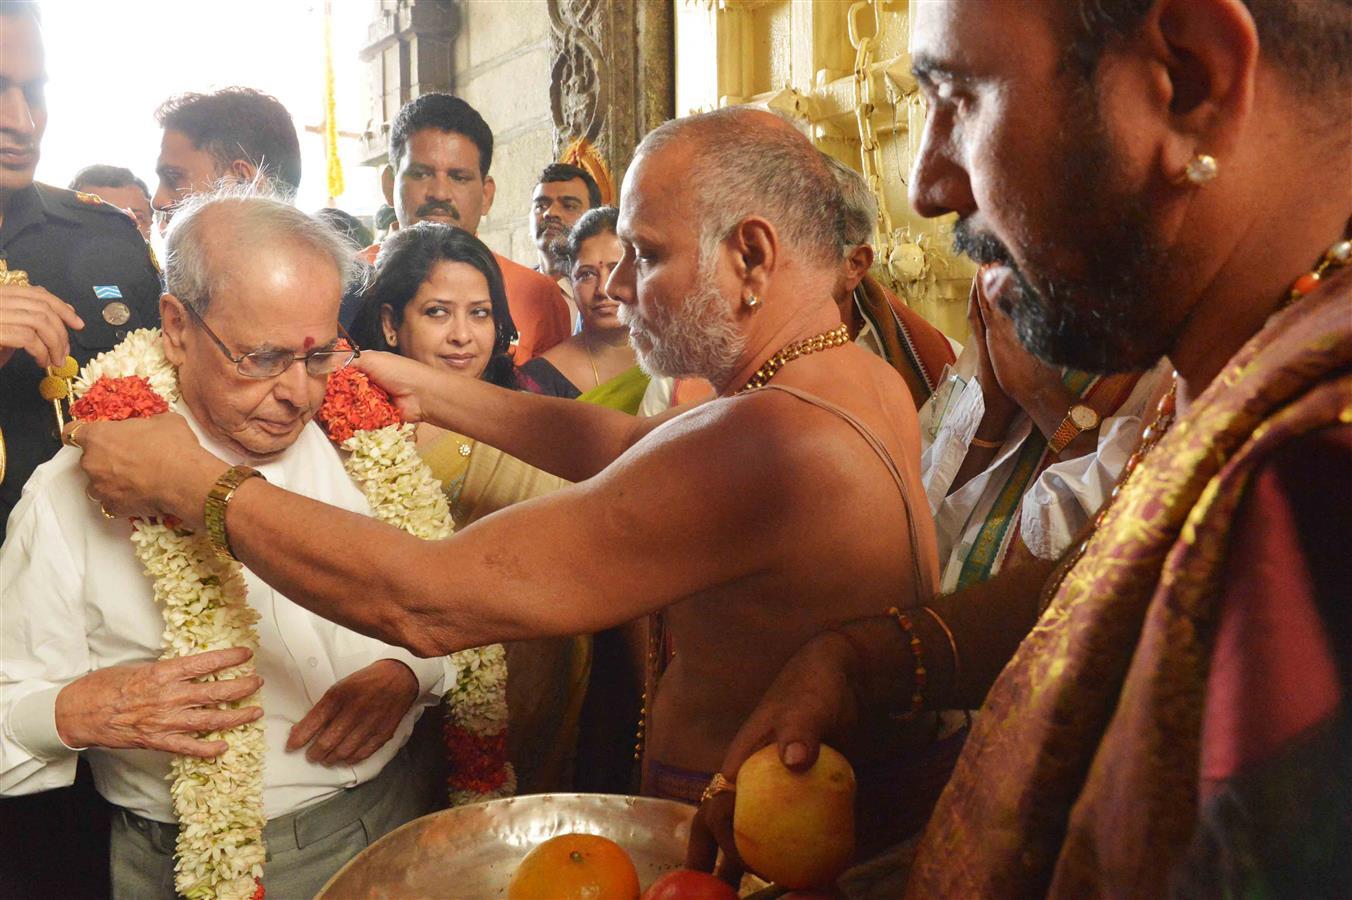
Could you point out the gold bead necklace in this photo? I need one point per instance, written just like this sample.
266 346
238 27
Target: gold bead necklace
825 341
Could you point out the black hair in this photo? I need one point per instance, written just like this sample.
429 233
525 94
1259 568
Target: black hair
564 172
1309 41
444 112
602 220
106 176
348 225
239 123
406 259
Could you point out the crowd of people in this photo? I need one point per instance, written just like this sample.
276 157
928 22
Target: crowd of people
1068 594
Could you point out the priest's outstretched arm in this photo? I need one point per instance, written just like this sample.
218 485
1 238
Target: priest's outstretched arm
642 525
572 440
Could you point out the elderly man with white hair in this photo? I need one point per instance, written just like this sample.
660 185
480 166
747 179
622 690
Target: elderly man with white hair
251 325
790 504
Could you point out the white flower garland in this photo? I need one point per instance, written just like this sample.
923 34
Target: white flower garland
218 802
403 492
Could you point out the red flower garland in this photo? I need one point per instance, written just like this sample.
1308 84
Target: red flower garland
476 760
352 403
115 399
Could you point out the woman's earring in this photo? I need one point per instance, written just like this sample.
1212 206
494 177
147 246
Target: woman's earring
752 302
1199 170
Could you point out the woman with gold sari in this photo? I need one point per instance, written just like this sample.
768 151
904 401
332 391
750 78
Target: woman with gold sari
438 297
596 365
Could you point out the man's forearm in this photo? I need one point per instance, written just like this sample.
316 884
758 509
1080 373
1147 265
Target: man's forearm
987 621
563 437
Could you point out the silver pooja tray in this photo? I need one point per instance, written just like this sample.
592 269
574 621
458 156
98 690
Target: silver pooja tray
471 851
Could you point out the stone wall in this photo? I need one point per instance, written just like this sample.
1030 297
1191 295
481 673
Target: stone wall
500 65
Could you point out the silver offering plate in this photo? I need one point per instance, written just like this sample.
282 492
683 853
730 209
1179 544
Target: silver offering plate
472 851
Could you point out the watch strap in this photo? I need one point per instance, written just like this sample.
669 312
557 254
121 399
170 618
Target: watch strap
218 499
1069 429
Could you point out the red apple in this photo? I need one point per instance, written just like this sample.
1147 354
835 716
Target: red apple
687 884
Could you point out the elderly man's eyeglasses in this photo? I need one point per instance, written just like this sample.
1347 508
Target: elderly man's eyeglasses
271 363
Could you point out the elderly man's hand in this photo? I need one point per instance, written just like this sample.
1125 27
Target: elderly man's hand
35 321
812 697
157 706
357 715
147 467
401 377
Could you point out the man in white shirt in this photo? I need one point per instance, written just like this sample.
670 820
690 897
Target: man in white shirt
1019 455
251 324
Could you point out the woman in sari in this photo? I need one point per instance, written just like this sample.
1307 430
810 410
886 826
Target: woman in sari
438 297
596 365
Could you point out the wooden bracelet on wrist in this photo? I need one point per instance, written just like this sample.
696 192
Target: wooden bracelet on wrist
918 653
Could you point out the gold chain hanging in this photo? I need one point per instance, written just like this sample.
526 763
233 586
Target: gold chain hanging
870 150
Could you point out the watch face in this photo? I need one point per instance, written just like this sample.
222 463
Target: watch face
1083 417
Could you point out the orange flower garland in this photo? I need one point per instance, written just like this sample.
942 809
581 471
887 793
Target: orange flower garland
362 420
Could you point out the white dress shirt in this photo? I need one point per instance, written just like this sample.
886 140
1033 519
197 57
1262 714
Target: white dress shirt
1056 505
74 599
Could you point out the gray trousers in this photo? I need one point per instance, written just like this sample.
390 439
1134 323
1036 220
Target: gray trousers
305 848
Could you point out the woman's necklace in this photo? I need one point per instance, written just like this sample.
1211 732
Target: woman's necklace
1335 257
591 358
825 341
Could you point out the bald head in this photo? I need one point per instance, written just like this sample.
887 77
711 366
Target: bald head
214 234
745 162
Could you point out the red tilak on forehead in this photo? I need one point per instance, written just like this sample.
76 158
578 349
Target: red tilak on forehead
309 342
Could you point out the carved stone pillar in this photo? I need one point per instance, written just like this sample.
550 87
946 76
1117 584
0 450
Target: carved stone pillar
408 53
612 79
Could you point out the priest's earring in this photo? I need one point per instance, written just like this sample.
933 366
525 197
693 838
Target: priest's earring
752 302
1199 170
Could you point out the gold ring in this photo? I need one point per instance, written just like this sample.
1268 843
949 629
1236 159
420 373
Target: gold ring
69 439
90 497
107 515
717 785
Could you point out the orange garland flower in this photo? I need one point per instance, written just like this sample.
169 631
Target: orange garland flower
352 403
115 399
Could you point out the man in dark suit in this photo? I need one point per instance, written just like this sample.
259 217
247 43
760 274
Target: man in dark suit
76 278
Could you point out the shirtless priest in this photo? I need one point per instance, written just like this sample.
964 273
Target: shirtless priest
789 504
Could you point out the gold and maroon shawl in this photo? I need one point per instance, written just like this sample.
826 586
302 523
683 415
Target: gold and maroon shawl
914 347
1080 777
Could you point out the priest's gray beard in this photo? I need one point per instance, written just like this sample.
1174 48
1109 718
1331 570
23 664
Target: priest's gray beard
695 337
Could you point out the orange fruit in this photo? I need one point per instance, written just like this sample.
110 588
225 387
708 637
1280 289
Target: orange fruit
575 867
795 828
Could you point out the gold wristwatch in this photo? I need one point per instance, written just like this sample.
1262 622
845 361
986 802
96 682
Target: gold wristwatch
1080 419
218 498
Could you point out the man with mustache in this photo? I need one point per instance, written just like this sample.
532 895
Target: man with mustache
1145 178
440 153
562 195
75 278
786 505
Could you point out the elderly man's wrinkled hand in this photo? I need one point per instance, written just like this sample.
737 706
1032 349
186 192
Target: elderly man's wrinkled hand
357 715
812 698
159 705
146 467
35 321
